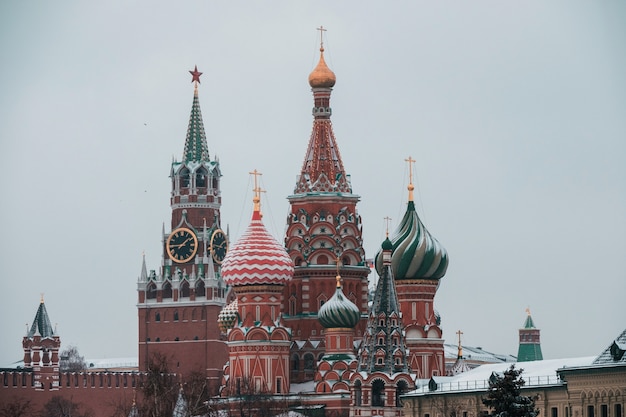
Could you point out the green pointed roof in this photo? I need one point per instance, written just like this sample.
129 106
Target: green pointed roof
41 324
196 149
529 324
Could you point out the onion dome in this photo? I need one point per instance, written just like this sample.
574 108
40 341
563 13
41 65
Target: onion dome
339 312
416 253
227 318
322 76
257 258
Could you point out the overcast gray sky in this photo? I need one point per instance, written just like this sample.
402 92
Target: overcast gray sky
514 110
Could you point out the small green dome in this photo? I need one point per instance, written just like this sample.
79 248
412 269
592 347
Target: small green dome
339 312
387 245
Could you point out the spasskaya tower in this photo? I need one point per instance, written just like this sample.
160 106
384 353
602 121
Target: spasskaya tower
179 305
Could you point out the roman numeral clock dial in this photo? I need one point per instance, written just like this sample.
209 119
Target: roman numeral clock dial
181 245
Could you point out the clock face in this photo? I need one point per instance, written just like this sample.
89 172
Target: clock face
219 246
182 245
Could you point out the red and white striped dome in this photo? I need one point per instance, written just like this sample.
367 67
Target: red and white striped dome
257 258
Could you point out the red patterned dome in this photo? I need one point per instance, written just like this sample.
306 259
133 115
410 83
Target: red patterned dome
257 258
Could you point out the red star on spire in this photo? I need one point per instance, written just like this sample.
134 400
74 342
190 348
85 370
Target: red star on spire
195 75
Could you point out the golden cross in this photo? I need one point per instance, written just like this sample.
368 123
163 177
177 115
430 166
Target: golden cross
528 311
459 333
257 191
322 30
41 298
387 221
410 187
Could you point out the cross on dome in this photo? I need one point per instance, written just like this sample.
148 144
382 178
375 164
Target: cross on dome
410 187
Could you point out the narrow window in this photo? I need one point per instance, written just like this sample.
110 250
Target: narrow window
279 385
590 412
554 412
618 410
604 410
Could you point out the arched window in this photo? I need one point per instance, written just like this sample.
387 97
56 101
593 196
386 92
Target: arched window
184 289
378 393
295 363
184 178
151 291
167 290
292 306
309 362
157 317
200 290
175 315
401 388
201 177
357 393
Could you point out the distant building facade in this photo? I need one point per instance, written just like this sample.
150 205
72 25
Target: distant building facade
578 387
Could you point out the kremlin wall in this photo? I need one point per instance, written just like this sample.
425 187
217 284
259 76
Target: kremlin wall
293 319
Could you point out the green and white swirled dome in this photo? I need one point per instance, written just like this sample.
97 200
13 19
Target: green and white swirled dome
339 312
416 253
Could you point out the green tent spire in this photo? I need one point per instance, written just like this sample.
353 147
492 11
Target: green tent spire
196 149
41 324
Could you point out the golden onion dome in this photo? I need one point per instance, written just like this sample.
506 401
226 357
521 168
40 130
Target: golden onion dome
322 76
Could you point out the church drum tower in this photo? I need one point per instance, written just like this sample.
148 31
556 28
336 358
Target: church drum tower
323 224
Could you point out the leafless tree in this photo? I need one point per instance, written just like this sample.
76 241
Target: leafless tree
62 407
17 407
71 360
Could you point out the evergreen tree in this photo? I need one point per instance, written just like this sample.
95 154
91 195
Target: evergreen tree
504 395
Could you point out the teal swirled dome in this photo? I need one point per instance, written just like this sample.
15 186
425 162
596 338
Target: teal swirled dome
416 253
339 312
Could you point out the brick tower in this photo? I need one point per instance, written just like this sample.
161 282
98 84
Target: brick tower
323 224
418 261
179 305
529 341
41 351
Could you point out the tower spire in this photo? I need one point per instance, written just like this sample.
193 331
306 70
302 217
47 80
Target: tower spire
196 148
322 170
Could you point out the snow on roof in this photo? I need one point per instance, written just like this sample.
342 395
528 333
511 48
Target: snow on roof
308 386
112 363
535 373
476 354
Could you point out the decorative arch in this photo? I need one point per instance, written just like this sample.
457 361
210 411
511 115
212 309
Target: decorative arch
151 291
201 177
257 334
378 393
184 177
184 289
200 289
167 289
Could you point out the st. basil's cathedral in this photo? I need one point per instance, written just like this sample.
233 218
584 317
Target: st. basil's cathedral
280 318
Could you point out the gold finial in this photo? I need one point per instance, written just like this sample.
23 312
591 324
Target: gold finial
460 354
322 30
338 277
257 191
41 301
411 187
528 311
